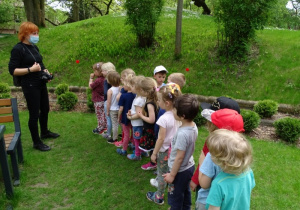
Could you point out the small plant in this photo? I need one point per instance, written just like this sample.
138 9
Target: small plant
90 103
67 100
61 89
4 90
288 129
251 120
266 108
199 120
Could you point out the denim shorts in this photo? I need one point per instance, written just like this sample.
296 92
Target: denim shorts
137 131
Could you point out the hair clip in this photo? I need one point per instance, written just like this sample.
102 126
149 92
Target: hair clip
170 95
97 65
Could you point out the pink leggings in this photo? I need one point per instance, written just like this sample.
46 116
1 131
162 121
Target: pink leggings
126 135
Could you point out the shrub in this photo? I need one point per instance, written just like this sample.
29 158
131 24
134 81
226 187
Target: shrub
251 120
67 101
237 22
61 89
199 120
288 129
90 103
4 90
143 16
266 108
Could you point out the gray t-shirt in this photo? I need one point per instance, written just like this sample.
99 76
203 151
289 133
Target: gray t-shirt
184 140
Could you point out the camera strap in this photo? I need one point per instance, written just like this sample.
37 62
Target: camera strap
31 52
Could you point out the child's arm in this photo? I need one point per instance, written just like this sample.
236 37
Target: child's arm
109 95
151 118
120 113
92 75
169 177
118 96
213 207
204 181
159 142
135 116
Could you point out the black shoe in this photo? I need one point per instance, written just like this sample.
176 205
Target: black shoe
49 134
42 147
111 141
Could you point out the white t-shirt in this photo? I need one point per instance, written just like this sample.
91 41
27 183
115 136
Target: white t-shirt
171 125
114 103
140 102
184 140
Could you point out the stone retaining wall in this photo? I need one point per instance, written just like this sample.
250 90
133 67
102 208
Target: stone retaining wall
284 108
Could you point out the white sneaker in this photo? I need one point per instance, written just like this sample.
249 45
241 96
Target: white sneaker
154 182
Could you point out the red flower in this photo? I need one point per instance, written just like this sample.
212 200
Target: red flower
187 69
77 61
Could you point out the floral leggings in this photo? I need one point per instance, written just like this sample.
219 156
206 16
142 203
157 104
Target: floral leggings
100 114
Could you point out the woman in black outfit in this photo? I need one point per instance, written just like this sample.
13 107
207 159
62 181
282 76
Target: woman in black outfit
27 63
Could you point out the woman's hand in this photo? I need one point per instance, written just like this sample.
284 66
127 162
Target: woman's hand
35 67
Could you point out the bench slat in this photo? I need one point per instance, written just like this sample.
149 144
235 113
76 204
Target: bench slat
5 110
5 102
8 118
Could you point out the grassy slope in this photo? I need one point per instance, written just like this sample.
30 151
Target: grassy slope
273 74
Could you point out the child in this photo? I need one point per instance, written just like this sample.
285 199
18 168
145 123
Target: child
231 189
220 103
226 119
125 104
114 79
124 74
136 122
181 162
177 78
167 128
106 68
97 87
159 74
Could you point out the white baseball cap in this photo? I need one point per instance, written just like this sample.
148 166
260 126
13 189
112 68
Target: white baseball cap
159 69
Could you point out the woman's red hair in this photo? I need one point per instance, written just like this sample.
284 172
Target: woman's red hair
27 28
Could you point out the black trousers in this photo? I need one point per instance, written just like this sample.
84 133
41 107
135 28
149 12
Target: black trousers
38 106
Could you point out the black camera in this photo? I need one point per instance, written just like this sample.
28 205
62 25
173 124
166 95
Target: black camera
46 76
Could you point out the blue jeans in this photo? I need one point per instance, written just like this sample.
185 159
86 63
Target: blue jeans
108 120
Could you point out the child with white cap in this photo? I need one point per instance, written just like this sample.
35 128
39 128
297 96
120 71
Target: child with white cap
160 74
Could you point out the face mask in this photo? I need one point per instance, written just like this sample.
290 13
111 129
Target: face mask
33 39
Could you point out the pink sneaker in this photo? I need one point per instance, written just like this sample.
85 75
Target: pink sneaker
118 143
148 166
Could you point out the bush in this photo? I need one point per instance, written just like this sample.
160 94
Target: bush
143 16
288 129
266 108
251 120
67 101
90 103
4 90
199 120
61 89
237 22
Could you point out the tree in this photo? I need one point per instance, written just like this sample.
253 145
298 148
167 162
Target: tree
178 28
35 11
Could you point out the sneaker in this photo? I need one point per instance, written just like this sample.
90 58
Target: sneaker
102 131
154 182
133 157
145 154
148 166
118 144
96 131
49 134
42 147
121 152
152 197
111 141
105 135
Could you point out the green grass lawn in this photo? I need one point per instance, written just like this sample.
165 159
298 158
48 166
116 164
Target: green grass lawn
273 72
82 171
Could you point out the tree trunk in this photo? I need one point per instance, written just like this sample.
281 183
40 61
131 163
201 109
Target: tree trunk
35 12
178 29
76 10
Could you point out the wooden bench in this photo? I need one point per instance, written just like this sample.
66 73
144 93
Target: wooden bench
4 165
9 113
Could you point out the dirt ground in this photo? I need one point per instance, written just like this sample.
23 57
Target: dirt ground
261 132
